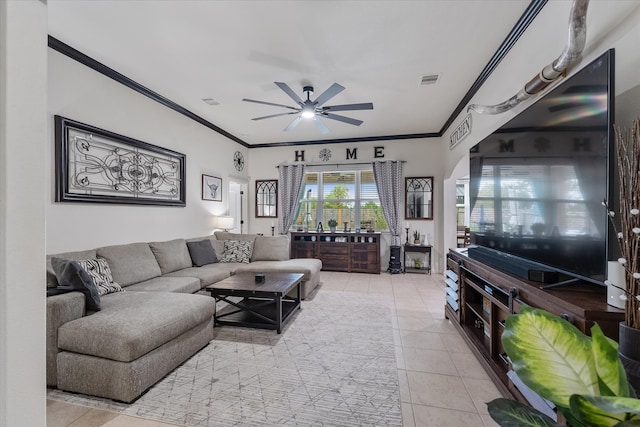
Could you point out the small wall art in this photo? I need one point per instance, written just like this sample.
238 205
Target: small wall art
211 188
99 166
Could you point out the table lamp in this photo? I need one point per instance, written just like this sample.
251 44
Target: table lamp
223 222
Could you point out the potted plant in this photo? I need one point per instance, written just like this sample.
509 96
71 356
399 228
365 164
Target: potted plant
416 237
628 237
332 224
581 375
417 262
537 228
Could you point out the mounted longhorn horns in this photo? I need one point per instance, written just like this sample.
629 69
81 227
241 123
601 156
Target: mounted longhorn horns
550 73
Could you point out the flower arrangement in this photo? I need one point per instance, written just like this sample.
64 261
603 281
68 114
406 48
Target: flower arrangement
628 237
416 235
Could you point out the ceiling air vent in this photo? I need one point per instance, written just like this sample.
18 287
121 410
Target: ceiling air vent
211 101
429 79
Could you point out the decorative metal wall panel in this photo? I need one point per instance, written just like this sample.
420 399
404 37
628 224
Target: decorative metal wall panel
95 165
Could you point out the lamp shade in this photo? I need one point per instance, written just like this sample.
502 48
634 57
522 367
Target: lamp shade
223 222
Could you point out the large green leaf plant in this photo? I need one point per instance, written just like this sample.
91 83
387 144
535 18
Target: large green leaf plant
581 375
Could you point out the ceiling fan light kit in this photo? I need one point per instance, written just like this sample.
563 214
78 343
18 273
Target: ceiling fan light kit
308 109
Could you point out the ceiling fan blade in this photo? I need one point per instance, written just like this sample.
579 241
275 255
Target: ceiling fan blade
333 90
271 103
289 92
320 125
346 107
275 115
344 119
293 124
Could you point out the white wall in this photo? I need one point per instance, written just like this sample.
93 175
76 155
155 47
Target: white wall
23 80
607 27
79 93
422 156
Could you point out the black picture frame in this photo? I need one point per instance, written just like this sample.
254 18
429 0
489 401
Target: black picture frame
119 170
213 194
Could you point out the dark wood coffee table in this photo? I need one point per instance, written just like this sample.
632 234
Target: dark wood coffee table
263 305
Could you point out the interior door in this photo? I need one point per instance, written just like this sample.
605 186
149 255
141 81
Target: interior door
238 208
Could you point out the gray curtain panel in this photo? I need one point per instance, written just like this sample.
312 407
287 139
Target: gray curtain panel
388 176
289 190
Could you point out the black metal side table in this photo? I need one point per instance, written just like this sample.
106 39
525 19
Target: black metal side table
423 249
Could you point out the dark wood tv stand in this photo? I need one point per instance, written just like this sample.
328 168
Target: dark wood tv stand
480 297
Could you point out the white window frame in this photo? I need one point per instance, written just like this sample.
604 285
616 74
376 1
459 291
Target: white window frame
357 201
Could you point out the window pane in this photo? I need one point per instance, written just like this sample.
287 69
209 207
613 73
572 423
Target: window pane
368 189
338 185
306 217
310 183
371 216
341 212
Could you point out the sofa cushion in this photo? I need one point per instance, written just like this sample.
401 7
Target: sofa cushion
270 248
71 275
130 263
202 252
237 251
171 255
208 274
52 281
132 324
100 272
185 285
310 267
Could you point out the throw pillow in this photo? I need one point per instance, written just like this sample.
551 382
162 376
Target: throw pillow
72 276
100 272
202 253
237 251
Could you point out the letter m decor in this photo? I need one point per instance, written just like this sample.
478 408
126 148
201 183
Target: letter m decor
95 165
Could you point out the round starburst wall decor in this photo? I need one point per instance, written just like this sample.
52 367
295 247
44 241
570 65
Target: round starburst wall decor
325 154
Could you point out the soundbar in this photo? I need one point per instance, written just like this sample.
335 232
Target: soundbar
516 266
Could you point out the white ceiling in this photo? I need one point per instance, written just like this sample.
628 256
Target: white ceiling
229 50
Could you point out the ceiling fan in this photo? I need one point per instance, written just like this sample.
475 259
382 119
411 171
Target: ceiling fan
309 109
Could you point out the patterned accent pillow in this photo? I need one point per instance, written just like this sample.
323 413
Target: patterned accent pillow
237 251
100 272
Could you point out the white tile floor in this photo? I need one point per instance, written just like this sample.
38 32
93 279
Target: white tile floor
441 382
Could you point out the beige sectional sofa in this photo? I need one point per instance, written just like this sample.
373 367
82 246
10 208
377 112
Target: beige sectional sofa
160 320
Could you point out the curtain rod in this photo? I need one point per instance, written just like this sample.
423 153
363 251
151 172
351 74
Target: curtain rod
342 164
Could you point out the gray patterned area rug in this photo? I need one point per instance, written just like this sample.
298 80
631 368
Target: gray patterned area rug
333 365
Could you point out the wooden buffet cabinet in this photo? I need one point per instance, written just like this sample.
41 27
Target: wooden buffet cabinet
339 251
479 298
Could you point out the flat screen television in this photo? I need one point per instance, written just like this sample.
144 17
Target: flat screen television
538 182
